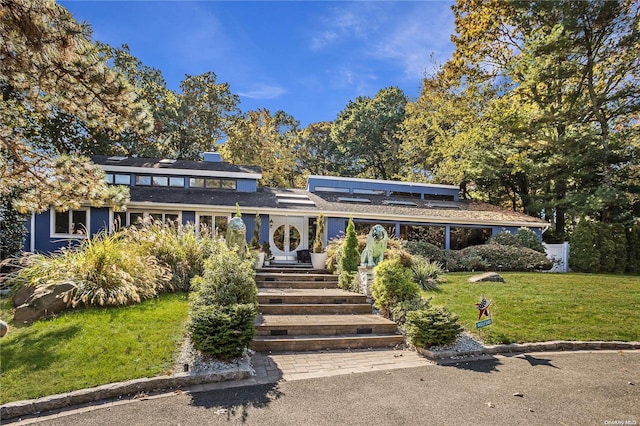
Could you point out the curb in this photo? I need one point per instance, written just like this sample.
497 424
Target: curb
114 390
558 345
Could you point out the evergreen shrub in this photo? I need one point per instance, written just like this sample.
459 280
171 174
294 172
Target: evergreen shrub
633 249
222 331
350 256
527 238
498 257
584 254
504 238
433 326
392 284
427 251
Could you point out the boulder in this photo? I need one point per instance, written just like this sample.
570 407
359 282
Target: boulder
22 295
487 276
4 328
46 300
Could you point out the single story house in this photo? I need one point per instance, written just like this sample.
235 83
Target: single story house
205 193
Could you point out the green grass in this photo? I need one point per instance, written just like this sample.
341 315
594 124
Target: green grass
90 347
537 307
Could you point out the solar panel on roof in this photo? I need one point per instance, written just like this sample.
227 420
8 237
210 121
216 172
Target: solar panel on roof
443 205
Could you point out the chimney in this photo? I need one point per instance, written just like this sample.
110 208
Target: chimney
212 157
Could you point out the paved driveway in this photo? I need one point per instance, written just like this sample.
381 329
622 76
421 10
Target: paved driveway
600 388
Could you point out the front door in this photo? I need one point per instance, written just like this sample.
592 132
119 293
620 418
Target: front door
286 235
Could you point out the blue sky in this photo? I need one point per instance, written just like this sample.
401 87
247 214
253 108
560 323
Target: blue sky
306 58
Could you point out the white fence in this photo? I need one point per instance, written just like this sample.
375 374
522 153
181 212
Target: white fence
559 254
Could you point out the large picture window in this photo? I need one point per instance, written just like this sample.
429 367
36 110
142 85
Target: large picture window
212 224
137 218
73 223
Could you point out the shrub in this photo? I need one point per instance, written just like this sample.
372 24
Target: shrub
401 309
505 258
427 251
317 243
394 249
426 274
619 252
633 249
584 255
527 238
392 284
104 270
349 281
177 247
227 280
458 260
504 238
433 326
255 239
222 331
350 256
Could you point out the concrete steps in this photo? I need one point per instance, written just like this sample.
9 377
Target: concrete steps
305 310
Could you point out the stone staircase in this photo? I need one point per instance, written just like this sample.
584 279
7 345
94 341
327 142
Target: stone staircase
303 309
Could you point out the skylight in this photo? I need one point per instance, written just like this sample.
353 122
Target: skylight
354 200
297 201
443 205
115 159
399 203
369 191
167 161
331 189
299 196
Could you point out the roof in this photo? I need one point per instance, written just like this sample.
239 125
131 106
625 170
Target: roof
267 200
159 164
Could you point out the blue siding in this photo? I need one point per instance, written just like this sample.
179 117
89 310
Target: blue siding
246 185
336 227
314 182
264 228
99 220
27 235
188 217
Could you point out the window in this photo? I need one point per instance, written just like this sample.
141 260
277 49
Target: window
143 180
71 222
122 180
108 177
160 181
212 225
228 184
431 234
176 182
461 237
196 182
137 218
212 183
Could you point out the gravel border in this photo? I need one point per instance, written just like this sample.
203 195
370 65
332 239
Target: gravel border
467 346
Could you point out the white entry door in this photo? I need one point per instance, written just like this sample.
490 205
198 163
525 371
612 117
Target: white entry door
286 235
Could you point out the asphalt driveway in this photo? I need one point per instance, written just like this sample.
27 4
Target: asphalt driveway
582 388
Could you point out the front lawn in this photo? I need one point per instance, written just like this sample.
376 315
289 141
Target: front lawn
90 347
536 307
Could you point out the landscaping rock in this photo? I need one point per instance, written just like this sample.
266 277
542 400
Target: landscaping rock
487 276
4 328
46 300
23 295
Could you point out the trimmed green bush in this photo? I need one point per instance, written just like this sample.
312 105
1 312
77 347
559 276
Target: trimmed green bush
527 238
349 281
227 280
504 238
350 256
633 249
222 331
401 309
618 237
427 251
498 257
392 284
584 254
434 326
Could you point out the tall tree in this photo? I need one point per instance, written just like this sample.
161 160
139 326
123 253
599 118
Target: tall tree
260 138
50 67
206 109
317 153
573 67
367 133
